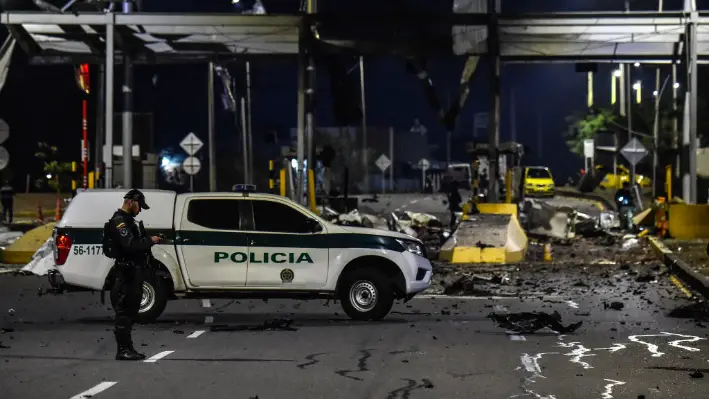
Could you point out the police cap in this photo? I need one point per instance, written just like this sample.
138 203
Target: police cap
136 195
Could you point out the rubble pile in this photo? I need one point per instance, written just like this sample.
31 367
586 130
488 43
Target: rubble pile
540 219
423 226
585 256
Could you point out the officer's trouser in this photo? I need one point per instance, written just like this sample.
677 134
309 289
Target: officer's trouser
129 289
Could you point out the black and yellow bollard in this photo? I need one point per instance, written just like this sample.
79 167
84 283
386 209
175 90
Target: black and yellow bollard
283 187
73 174
271 177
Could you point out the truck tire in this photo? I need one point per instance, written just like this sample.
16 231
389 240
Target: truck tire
153 301
366 294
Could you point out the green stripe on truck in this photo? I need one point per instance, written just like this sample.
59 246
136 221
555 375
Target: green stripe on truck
84 236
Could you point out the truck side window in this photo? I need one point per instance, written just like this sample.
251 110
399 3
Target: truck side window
218 214
276 217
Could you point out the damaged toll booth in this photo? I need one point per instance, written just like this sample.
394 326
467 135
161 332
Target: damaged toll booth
510 156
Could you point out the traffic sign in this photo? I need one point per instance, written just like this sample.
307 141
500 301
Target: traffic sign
634 151
191 144
4 131
424 164
588 148
191 165
4 158
383 163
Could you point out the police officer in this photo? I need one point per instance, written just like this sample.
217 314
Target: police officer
132 253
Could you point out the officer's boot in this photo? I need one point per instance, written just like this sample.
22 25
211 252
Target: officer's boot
141 356
125 350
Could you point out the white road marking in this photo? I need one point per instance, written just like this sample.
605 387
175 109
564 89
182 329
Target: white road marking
413 201
655 349
157 357
95 390
208 319
608 389
196 334
206 303
500 309
515 337
572 304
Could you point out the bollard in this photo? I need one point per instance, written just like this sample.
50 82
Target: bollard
271 177
547 252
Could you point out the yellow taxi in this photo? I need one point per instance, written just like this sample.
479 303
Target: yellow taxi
611 180
538 181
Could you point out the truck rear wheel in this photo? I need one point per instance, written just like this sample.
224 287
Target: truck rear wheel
367 294
152 302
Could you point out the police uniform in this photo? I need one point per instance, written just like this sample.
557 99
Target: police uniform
132 253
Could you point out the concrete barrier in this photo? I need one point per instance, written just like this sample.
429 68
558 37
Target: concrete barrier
493 236
20 252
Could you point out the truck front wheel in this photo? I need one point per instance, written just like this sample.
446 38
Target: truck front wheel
366 294
152 302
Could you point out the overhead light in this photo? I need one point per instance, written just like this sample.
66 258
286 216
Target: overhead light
234 1
636 86
637 64
655 93
676 85
617 73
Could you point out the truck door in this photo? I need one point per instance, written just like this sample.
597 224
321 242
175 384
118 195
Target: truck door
287 248
212 246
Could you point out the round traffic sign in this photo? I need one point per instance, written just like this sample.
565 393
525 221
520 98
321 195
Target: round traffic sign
4 131
191 165
4 158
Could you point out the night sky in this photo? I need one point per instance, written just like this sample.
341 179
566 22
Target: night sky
43 103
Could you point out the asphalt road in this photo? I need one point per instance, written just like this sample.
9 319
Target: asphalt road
432 347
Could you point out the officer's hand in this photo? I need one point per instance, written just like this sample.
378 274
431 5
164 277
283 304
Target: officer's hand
155 239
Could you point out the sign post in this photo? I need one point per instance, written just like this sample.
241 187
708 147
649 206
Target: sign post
634 152
191 165
383 163
424 165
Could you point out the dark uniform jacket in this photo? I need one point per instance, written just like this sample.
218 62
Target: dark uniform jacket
131 244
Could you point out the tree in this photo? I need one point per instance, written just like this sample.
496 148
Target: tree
58 173
582 126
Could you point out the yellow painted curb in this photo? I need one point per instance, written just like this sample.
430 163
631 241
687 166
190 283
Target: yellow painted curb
21 251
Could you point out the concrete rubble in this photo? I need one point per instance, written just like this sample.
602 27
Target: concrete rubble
426 227
563 223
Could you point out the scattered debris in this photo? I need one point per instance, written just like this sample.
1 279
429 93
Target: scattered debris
696 374
269 325
614 305
530 322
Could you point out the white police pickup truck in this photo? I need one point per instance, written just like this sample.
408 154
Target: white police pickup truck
242 245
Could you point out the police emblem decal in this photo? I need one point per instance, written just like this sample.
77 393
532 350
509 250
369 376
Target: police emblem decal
123 232
287 275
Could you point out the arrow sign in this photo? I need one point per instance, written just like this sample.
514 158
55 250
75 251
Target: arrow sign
191 165
634 151
191 144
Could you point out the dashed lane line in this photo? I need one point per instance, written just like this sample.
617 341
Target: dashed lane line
206 303
515 337
155 358
196 334
208 319
95 390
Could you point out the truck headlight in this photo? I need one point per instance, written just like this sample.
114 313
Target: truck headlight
413 247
